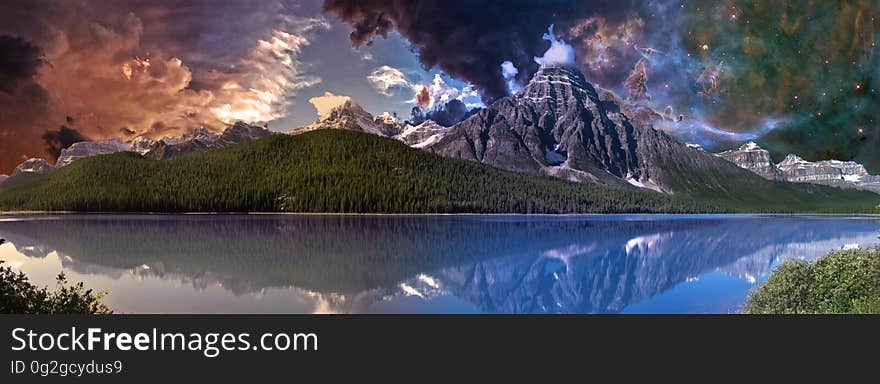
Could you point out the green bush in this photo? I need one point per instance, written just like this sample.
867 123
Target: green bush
841 282
20 296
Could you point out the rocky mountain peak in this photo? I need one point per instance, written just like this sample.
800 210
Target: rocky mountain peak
205 141
351 116
558 125
241 132
795 169
751 146
85 149
558 87
422 135
141 144
754 158
792 159
34 167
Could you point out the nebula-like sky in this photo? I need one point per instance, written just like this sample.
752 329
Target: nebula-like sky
795 76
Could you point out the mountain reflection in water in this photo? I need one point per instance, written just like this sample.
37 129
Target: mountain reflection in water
507 264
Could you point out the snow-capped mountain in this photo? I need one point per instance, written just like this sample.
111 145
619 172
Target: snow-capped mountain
202 140
353 117
26 172
33 167
422 135
794 169
85 149
141 144
754 158
799 170
559 126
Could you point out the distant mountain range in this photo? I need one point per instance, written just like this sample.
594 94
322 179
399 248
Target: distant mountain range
201 140
794 169
556 126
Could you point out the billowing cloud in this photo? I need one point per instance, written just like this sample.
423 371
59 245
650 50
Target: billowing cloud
269 76
509 71
559 52
468 40
24 103
325 104
19 61
148 67
447 114
438 92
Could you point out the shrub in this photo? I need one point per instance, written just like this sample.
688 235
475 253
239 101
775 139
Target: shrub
841 282
20 296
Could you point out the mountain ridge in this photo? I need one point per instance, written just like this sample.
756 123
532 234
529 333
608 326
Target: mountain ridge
340 171
794 169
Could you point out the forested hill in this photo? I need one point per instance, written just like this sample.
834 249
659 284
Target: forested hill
352 172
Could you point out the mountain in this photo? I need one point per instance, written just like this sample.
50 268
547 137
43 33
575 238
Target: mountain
336 170
559 126
351 116
141 144
328 170
799 170
422 135
794 169
203 140
85 149
754 158
26 172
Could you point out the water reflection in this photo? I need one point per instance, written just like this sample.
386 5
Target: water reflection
510 264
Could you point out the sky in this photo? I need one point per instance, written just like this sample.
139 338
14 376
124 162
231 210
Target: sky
797 77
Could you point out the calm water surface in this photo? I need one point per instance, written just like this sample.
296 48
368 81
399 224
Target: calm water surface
422 264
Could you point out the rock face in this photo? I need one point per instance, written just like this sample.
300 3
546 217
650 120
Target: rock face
754 158
203 140
26 172
794 169
353 117
85 149
799 170
558 125
141 144
422 135
33 167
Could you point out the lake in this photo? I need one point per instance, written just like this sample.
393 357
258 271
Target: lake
421 264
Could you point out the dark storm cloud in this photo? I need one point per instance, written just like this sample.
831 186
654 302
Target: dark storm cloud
60 139
19 61
470 39
446 115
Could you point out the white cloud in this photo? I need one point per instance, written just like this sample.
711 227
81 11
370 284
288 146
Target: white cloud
386 78
325 104
269 76
558 53
509 71
440 92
